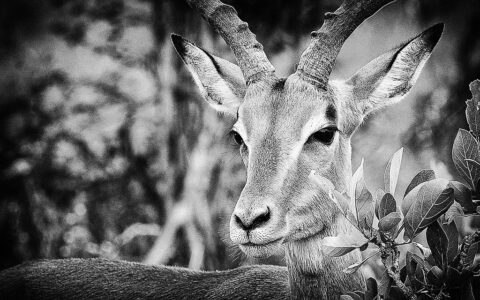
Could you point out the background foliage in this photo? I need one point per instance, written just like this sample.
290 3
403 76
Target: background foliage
445 267
106 148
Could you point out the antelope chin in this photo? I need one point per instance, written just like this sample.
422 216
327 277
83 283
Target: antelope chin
304 235
262 250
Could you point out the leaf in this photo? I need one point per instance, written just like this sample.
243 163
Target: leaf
420 275
377 197
322 182
363 203
411 262
466 147
397 293
365 210
463 195
392 170
354 267
364 247
438 242
389 223
473 108
342 244
426 252
403 272
422 176
452 237
435 276
387 205
455 210
372 289
357 176
414 265
437 184
472 251
342 202
346 297
429 205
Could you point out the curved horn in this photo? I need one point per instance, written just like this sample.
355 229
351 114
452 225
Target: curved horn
317 61
248 51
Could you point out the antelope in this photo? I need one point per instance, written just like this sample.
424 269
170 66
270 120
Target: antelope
285 128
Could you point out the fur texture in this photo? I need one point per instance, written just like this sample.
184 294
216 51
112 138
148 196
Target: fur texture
104 279
276 117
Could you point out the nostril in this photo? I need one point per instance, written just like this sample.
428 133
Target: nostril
261 219
240 223
257 221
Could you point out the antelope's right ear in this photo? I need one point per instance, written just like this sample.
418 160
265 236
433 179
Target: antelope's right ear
221 82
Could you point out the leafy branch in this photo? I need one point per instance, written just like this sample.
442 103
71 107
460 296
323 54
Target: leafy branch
445 269
390 259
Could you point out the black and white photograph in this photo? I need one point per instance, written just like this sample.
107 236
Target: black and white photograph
240 149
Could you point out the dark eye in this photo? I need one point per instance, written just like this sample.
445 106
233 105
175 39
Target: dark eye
324 136
236 137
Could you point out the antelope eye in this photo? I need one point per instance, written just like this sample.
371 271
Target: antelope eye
324 136
236 137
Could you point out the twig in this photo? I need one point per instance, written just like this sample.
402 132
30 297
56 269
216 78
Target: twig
162 249
197 247
138 229
440 294
404 243
465 247
393 270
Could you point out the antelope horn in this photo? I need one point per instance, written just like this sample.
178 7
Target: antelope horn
248 51
317 61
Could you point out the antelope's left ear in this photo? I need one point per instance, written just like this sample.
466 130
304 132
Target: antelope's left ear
388 78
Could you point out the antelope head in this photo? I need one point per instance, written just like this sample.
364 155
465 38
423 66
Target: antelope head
285 128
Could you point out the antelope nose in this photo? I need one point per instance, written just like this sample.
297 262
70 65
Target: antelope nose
254 219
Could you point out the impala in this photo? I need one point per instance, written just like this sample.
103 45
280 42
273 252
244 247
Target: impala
285 128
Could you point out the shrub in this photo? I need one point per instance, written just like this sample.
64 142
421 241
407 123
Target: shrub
446 268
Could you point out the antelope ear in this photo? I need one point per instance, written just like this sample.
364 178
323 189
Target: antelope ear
388 78
220 82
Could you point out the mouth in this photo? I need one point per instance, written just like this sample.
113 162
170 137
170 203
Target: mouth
262 250
250 244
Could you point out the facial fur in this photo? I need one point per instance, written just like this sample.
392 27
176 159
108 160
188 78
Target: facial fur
287 128
279 155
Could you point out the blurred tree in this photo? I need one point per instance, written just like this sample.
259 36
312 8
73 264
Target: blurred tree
461 65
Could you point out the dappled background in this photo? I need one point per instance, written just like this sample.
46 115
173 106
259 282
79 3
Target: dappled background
108 150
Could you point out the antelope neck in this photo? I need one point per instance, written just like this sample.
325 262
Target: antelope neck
315 276
312 275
